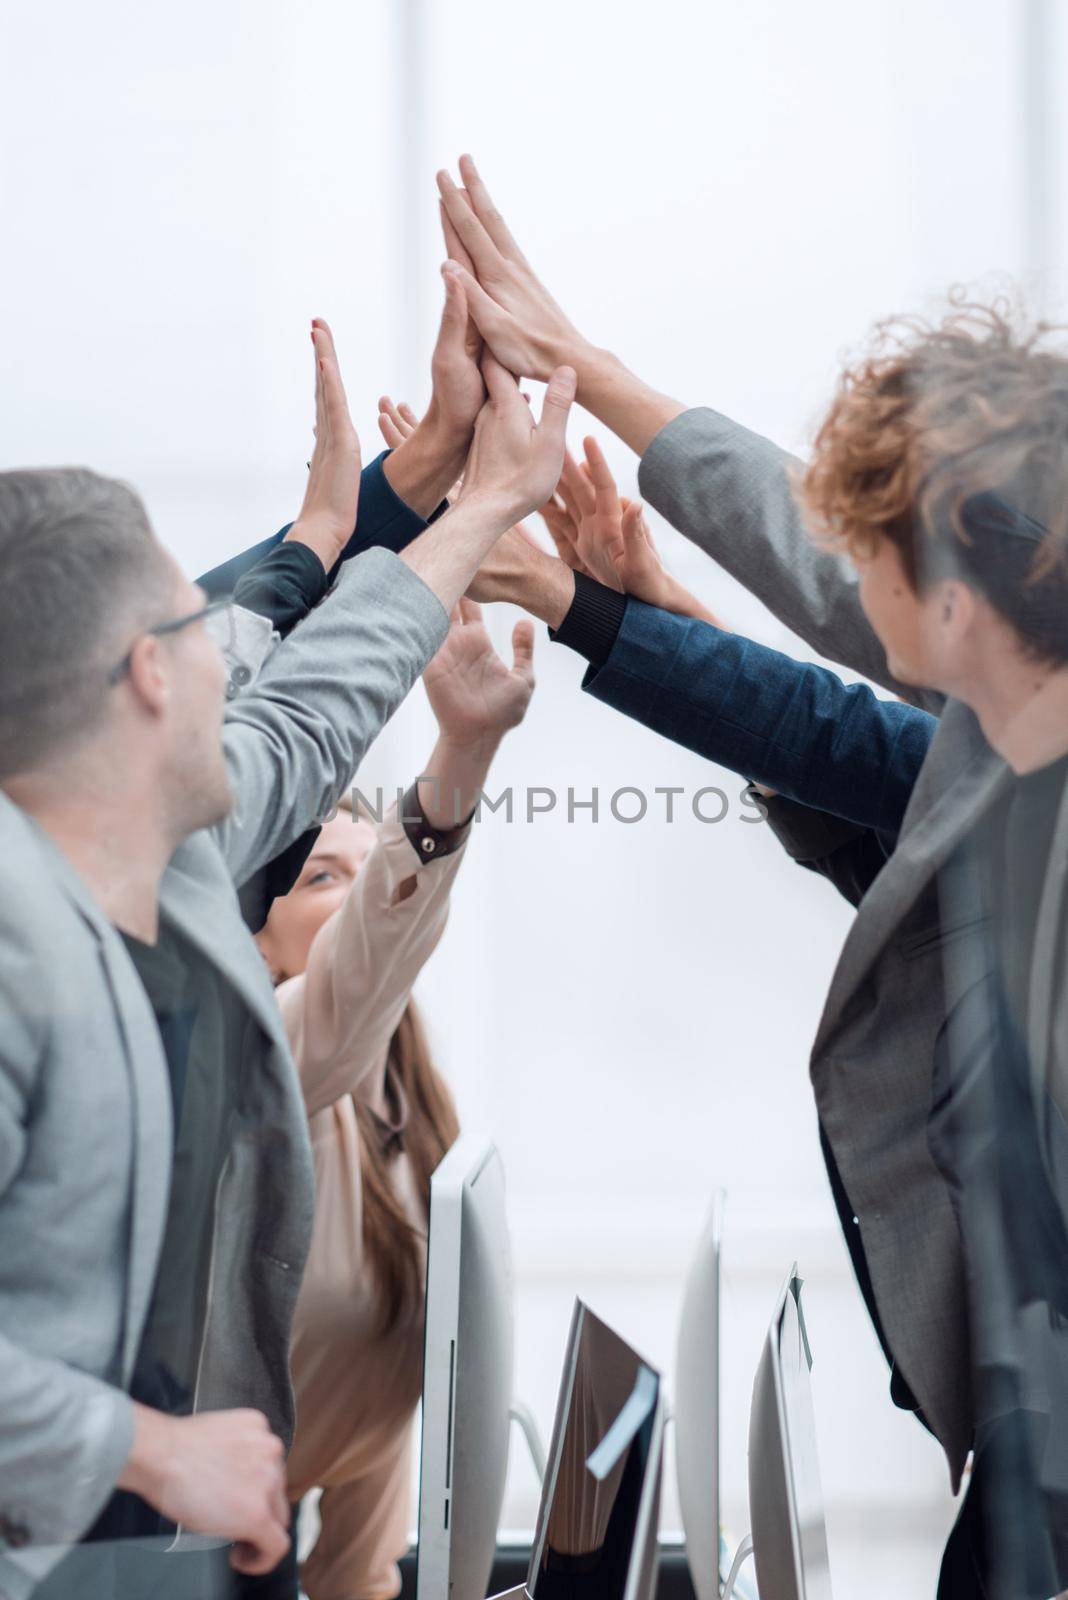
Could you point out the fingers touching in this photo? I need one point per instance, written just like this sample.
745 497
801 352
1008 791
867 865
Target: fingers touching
486 212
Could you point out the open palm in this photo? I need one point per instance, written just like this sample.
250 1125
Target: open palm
474 695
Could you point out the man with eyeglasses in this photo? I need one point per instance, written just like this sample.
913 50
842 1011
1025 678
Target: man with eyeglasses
155 1177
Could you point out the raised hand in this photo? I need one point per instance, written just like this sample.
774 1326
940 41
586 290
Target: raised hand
458 387
604 535
475 697
514 313
506 567
515 462
594 513
328 513
521 322
427 458
395 423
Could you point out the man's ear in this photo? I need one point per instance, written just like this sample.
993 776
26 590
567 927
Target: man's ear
956 611
150 673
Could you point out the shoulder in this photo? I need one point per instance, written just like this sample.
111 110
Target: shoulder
199 861
41 936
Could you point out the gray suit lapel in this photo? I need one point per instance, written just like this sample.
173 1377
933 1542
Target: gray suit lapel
960 780
150 1097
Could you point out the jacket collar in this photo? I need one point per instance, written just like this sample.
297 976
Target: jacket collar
961 778
206 913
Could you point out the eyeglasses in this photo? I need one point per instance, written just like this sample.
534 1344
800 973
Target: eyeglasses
220 624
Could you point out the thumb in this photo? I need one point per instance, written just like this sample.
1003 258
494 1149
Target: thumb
454 315
630 545
523 649
484 312
556 408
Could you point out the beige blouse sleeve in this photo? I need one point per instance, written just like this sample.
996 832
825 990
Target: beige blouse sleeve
340 1014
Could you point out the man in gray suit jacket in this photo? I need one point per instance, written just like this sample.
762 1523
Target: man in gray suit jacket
995 643
135 1012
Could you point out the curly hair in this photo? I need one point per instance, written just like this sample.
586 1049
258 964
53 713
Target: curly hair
951 441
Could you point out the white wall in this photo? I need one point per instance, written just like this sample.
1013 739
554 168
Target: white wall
726 195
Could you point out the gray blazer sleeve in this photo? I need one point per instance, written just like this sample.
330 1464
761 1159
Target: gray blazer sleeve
729 490
64 1435
293 742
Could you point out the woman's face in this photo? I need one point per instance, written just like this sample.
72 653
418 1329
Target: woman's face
340 851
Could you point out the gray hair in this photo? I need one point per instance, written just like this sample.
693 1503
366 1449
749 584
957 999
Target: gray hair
80 574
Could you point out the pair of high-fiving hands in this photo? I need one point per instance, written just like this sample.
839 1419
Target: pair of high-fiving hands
499 323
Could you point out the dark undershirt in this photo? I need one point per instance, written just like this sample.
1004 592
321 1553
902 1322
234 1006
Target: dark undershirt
199 1021
1020 858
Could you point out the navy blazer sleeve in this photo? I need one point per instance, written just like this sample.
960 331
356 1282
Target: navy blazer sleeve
796 728
383 519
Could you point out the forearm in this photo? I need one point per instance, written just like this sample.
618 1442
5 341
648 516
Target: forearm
294 740
448 555
731 492
322 542
794 727
633 410
539 583
385 519
453 779
423 469
341 1013
64 1439
150 1450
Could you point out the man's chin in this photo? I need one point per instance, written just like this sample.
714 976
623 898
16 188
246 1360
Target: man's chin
217 804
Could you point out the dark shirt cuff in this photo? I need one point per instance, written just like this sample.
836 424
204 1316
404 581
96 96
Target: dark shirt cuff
428 842
284 585
383 518
593 622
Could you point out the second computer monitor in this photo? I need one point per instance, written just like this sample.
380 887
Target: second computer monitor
785 1496
467 1375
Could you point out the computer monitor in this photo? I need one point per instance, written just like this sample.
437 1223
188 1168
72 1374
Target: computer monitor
697 1410
596 1536
785 1497
467 1375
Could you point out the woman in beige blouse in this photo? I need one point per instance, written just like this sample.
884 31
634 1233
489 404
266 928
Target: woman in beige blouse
345 947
